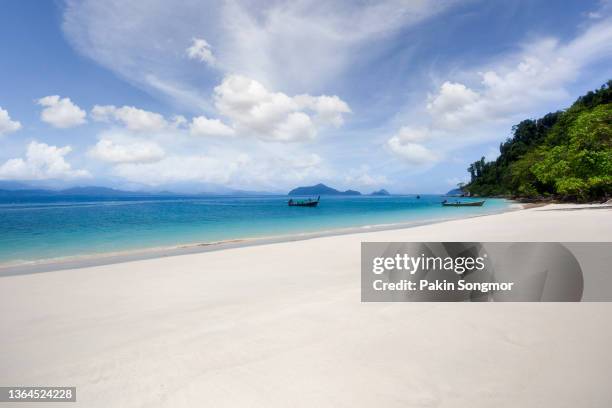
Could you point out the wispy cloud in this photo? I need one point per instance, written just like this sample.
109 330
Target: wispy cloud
134 119
291 46
200 50
512 87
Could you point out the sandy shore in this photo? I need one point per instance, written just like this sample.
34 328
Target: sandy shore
281 325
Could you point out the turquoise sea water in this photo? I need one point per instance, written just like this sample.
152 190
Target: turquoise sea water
36 228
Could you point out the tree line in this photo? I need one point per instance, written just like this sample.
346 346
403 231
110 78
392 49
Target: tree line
565 155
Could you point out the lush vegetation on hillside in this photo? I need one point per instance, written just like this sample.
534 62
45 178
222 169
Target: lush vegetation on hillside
565 155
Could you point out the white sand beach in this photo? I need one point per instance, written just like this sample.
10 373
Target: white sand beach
282 325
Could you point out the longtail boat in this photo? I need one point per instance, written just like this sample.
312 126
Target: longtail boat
303 203
463 204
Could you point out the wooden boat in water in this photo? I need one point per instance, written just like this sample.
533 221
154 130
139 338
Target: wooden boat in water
463 204
303 203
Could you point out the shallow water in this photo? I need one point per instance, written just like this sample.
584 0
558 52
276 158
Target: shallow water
36 228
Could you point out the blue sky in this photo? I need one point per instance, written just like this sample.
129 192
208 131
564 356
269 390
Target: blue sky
199 95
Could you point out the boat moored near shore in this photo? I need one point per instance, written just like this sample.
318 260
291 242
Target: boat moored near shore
445 203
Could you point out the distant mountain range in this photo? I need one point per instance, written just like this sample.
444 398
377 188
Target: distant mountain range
13 185
74 191
15 189
455 192
322 189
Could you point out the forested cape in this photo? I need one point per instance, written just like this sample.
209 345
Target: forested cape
565 155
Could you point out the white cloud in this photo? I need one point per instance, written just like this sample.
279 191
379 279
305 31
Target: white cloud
505 91
137 152
413 153
271 170
328 109
294 46
275 116
604 9
42 162
412 134
362 177
184 168
202 126
200 50
186 96
178 121
521 83
134 119
284 169
304 161
61 112
407 143
450 100
7 125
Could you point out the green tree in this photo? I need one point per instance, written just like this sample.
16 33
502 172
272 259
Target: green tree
582 167
567 154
